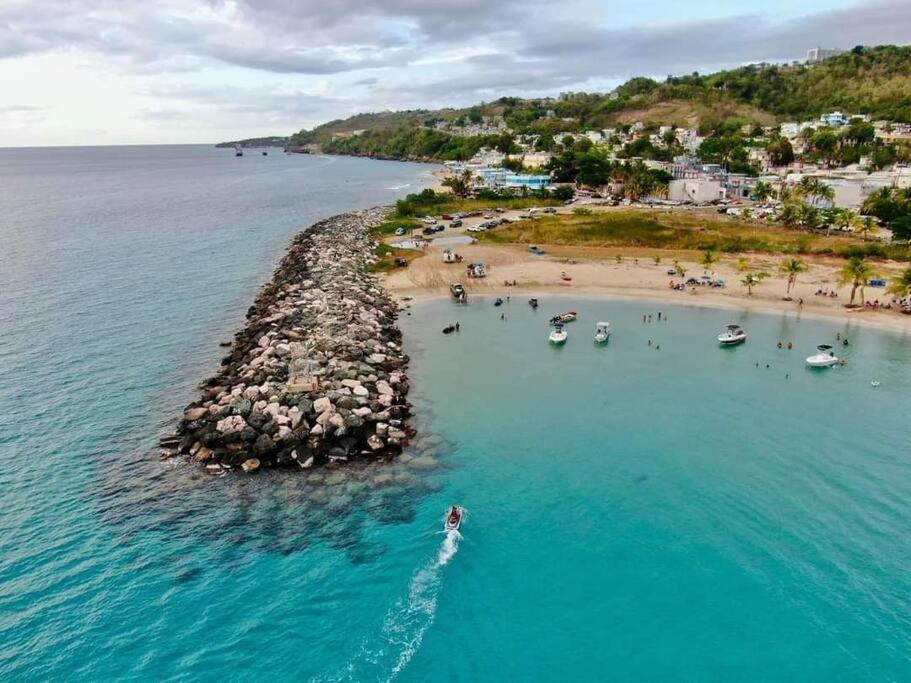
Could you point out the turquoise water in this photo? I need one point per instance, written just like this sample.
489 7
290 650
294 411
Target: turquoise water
634 513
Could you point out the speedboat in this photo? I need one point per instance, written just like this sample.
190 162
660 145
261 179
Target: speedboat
558 335
602 332
453 519
823 358
732 336
567 317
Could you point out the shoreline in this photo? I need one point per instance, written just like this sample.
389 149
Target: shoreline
407 297
317 373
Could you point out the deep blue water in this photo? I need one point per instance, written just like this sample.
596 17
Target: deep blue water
634 513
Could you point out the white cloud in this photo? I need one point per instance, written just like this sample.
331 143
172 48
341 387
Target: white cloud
197 70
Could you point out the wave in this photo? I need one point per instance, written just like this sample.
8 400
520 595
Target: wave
398 187
408 620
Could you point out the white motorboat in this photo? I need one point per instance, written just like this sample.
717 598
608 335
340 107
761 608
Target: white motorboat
602 332
733 335
823 358
558 335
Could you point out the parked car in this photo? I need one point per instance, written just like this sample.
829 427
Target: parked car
428 231
457 223
550 209
400 231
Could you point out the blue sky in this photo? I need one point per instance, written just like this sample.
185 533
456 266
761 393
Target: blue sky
148 71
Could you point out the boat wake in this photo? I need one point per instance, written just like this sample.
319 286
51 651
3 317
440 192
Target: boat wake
407 621
398 187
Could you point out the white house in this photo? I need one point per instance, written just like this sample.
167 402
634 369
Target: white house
698 190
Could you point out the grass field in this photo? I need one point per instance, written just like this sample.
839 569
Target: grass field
683 231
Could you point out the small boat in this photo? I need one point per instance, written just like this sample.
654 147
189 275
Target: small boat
732 336
238 151
602 332
565 277
449 329
265 153
823 358
558 335
453 518
874 383
498 302
567 317
457 290
533 303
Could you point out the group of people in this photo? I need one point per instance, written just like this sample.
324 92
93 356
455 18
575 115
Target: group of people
825 292
647 317
781 345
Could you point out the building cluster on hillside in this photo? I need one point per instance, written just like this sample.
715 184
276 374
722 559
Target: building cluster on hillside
488 125
697 182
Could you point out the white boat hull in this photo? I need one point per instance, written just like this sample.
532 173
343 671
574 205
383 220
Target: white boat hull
557 337
726 340
601 338
822 361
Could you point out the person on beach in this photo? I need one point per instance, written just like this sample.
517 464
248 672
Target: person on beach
659 316
790 346
457 327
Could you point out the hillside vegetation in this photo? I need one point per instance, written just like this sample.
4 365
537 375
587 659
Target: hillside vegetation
875 81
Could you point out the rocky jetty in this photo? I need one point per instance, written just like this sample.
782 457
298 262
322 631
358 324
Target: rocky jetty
317 374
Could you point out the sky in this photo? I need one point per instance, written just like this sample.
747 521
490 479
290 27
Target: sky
79 72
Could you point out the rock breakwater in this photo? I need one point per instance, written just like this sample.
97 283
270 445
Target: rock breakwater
317 373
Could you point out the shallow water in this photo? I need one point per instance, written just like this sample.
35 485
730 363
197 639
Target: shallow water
633 513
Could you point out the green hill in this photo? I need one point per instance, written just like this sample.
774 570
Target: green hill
875 81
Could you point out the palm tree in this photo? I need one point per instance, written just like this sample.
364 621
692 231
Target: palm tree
708 260
460 184
789 215
856 272
750 280
681 271
866 227
792 267
902 286
763 190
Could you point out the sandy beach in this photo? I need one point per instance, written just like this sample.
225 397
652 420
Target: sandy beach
596 271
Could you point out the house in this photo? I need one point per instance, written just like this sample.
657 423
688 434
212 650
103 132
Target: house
818 54
761 159
834 119
697 190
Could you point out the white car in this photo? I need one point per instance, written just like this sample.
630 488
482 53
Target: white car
400 231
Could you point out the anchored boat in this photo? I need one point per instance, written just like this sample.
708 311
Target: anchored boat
558 335
823 358
567 317
732 336
602 332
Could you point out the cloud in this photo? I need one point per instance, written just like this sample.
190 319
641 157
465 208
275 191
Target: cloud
300 62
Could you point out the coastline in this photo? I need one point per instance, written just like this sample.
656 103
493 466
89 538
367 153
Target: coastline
317 373
596 273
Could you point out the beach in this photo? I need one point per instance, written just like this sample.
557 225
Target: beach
597 271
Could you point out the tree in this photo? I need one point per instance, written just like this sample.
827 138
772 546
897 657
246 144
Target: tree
763 190
856 272
460 184
708 260
678 267
866 226
657 260
792 267
815 188
750 280
780 151
902 286
743 264
563 192
825 145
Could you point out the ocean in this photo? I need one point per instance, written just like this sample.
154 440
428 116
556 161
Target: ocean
634 511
